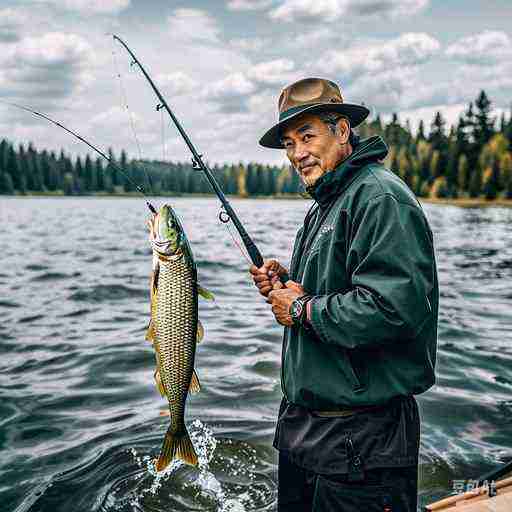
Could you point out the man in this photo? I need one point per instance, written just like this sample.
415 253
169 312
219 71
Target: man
360 314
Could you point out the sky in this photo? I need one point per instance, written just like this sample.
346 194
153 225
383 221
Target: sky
221 65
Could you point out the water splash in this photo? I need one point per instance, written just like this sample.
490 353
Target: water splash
204 482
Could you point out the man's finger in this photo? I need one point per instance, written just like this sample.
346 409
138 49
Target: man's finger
259 278
253 269
264 291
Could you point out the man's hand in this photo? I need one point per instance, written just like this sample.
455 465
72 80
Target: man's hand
281 300
266 278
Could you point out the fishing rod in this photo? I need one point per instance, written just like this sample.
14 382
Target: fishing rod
92 146
198 164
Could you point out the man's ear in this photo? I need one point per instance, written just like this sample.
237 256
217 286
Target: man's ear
343 131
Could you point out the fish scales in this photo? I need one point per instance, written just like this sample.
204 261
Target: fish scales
175 336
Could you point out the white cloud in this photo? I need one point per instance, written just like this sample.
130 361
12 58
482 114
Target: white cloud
49 66
252 44
381 92
236 84
486 47
273 72
248 5
406 50
193 24
88 6
332 10
176 83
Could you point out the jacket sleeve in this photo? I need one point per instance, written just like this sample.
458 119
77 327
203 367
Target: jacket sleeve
391 266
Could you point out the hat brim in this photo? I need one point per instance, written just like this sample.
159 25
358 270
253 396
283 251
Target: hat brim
356 114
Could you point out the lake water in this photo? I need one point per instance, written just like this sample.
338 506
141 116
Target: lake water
79 413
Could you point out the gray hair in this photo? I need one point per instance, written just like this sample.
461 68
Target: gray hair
331 120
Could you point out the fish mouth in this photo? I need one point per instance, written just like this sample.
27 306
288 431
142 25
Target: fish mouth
159 242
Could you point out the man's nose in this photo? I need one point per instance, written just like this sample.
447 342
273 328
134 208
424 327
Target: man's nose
301 152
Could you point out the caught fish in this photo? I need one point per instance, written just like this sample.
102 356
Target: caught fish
174 328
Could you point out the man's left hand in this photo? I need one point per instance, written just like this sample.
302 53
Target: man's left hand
281 300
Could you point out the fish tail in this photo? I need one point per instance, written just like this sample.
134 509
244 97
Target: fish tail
176 446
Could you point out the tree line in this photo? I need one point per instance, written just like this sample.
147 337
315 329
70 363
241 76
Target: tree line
471 159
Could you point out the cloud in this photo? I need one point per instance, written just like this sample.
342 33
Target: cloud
11 23
233 93
193 24
250 44
406 50
176 83
88 6
487 47
45 67
229 93
332 10
248 5
274 72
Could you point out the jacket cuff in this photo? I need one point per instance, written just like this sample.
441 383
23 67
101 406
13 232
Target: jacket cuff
316 305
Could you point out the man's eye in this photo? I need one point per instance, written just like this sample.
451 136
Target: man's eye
306 137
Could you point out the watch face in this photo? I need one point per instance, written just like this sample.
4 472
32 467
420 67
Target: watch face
296 309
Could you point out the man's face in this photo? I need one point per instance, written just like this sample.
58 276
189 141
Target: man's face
312 148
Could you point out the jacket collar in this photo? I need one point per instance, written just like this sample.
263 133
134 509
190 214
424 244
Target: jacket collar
333 183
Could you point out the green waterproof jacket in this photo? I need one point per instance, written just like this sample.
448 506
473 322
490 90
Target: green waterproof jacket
366 255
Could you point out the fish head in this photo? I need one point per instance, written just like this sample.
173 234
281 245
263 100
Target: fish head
166 233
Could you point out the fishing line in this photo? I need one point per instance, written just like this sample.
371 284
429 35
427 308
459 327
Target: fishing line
244 254
124 104
138 187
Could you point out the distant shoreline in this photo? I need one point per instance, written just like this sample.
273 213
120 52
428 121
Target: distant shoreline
464 202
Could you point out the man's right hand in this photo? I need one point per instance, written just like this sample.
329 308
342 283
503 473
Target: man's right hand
266 278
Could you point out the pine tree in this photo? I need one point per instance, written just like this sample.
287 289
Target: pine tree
462 174
19 180
124 181
90 183
452 167
6 186
424 158
393 131
475 182
421 132
503 124
439 142
79 176
111 171
484 124
98 171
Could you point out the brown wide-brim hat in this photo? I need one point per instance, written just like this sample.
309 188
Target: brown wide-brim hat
311 95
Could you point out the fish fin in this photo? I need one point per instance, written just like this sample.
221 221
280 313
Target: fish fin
200 331
165 412
176 446
159 384
194 386
205 293
150 333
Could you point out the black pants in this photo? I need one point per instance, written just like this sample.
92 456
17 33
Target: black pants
381 490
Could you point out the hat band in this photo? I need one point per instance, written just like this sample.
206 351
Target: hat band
291 111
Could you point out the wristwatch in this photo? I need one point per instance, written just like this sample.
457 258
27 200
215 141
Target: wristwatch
298 309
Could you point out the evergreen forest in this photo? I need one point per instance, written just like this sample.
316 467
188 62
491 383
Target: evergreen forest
471 159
